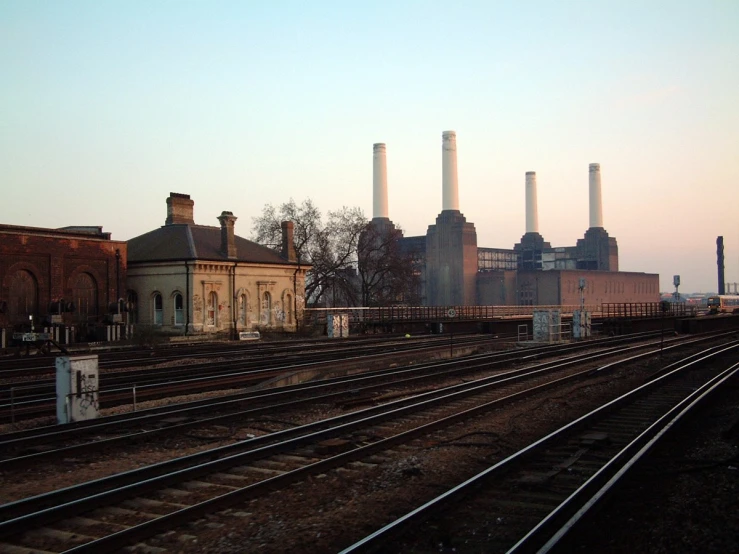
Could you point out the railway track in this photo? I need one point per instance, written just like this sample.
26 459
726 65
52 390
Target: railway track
37 444
531 500
34 366
37 398
155 498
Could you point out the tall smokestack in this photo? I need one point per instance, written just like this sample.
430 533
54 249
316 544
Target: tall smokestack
596 208
720 262
450 194
379 181
532 211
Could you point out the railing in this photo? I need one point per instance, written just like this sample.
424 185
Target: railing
360 315
390 314
647 309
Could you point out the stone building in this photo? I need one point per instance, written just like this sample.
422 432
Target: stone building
72 277
185 278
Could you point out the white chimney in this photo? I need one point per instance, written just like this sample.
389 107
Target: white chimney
450 194
596 208
379 181
532 211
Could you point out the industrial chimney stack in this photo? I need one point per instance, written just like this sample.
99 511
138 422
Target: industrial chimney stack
720 262
532 212
596 208
379 181
450 194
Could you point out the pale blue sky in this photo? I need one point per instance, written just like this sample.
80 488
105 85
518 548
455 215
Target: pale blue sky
107 107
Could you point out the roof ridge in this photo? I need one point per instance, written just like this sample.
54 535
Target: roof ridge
191 244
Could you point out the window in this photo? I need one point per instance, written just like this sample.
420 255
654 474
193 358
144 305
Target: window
266 308
288 308
242 310
179 312
211 316
158 312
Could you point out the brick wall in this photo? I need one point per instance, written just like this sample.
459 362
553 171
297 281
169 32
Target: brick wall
51 262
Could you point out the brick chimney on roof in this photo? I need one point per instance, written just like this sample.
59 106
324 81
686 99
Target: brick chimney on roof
288 243
179 209
228 244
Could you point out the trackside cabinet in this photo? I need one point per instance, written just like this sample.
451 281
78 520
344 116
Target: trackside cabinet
581 324
76 388
337 325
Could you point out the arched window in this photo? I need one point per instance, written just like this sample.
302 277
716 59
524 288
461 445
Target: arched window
85 294
288 308
242 310
158 309
211 316
23 296
266 308
179 311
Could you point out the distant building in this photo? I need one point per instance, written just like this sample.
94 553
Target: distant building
454 270
185 278
69 277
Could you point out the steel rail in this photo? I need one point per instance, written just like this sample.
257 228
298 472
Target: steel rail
365 382
227 377
423 512
138 487
550 531
24 407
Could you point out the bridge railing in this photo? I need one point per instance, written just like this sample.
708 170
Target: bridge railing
389 314
647 309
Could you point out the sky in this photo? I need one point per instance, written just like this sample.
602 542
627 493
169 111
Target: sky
108 106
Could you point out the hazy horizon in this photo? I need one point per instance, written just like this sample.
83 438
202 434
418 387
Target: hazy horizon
110 106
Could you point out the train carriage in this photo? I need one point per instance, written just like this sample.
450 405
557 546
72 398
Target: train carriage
723 304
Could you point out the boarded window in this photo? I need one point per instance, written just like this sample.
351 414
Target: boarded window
266 308
85 295
23 297
212 312
242 310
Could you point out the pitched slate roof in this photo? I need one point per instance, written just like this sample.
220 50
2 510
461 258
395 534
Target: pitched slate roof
180 242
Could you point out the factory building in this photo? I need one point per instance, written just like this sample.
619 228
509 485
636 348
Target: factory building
185 278
70 278
454 270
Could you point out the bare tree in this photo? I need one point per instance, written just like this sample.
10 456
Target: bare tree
353 262
306 218
386 272
330 249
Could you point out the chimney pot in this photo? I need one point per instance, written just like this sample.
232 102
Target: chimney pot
179 209
228 241
288 242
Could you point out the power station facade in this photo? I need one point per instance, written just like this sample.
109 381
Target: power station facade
455 270
200 279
